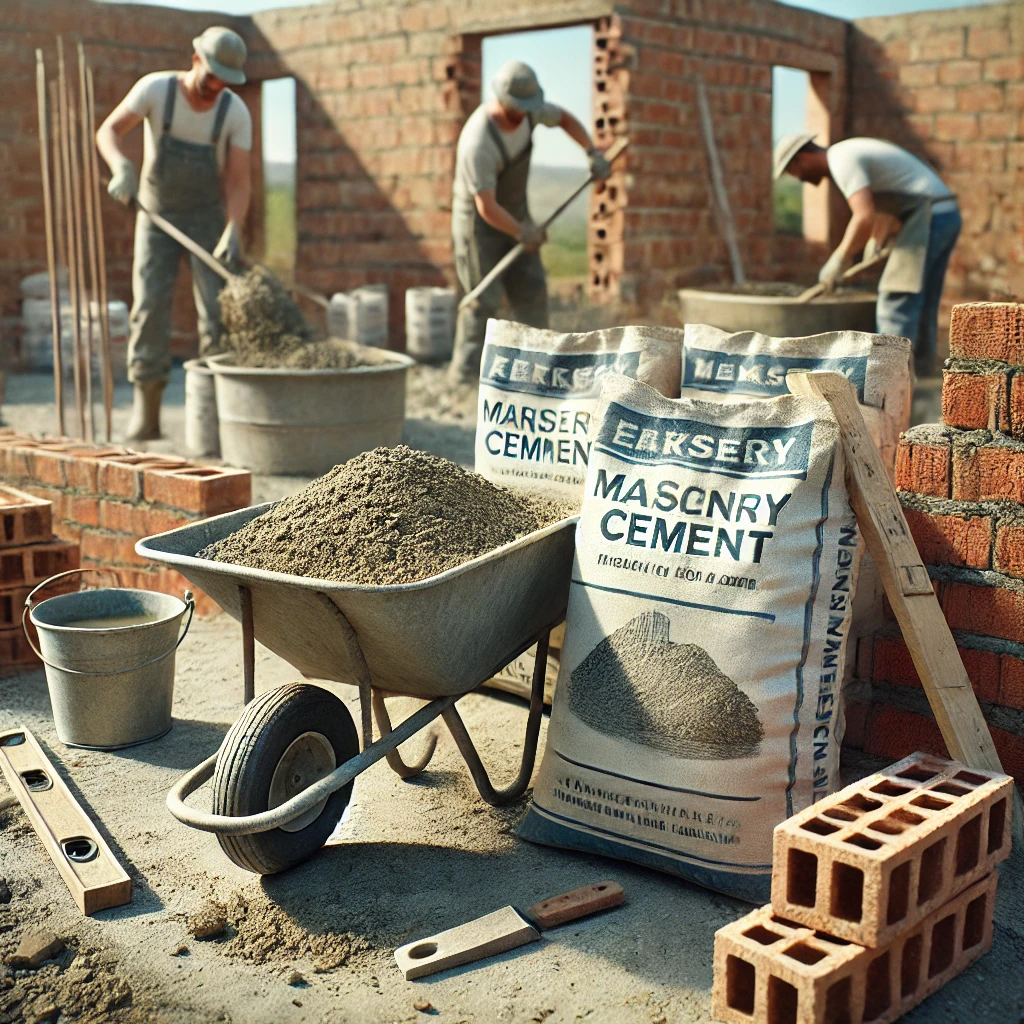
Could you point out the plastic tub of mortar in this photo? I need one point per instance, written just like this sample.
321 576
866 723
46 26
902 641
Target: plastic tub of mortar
304 422
779 316
202 431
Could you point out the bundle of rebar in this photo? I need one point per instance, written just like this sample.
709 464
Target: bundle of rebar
74 236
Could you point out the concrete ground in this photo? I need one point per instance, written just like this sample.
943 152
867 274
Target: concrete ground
315 943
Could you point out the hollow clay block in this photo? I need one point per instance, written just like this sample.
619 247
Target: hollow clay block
871 861
769 969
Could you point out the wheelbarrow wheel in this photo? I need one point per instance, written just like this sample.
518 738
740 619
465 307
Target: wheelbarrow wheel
287 739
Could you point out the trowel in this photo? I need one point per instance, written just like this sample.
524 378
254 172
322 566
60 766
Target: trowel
503 930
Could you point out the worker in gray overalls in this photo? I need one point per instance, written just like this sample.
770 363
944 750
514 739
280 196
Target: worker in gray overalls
490 212
195 172
893 196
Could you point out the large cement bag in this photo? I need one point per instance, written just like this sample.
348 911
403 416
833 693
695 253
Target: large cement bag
538 390
698 700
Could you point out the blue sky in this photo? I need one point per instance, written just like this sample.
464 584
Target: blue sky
562 60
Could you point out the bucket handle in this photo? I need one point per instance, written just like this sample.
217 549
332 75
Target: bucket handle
190 604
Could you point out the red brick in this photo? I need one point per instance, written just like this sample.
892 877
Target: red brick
160 520
15 648
975 401
769 970
885 827
987 330
119 516
893 664
83 467
49 467
1011 682
1008 549
172 582
84 509
976 98
983 669
99 546
989 611
923 467
125 552
991 472
204 489
960 72
24 518
1002 69
986 42
121 476
29 565
960 127
1016 406
951 540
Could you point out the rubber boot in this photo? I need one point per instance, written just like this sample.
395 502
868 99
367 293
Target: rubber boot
145 422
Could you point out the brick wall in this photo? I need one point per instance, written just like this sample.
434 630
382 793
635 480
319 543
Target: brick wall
949 86
963 495
122 43
105 498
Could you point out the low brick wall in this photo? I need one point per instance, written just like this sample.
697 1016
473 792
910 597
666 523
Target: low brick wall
962 490
106 498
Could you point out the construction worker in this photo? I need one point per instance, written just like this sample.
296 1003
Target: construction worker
885 185
490 213
195 172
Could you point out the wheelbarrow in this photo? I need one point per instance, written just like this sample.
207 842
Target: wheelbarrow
284 772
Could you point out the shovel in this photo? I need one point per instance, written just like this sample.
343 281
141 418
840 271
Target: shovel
211 261
503 930
614 150
858 268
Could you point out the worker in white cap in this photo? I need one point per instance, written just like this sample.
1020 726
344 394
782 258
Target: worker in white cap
885 185
195 173
490 213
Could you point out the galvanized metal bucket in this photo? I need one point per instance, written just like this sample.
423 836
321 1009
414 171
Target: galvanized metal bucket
109 687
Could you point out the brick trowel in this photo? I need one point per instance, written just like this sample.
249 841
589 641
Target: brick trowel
503 930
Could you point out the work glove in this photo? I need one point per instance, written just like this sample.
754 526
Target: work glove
229 248
124 183
600 168
830 273
532 236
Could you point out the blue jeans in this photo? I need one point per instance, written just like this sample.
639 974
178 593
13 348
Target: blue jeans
915 315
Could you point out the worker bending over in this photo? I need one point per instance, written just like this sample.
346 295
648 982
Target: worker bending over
490 213
879 178
195 172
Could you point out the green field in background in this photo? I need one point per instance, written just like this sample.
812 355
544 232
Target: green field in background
279 229
788 201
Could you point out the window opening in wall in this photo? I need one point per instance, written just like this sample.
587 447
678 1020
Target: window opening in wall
563 60
790 87
278 110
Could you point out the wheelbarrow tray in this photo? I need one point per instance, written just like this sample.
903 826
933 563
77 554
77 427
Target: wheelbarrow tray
434 638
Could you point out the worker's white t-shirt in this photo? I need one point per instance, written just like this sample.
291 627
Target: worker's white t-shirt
479 161
148 97
883 167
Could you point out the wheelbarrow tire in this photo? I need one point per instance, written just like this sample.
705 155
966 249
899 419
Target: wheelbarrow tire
254 748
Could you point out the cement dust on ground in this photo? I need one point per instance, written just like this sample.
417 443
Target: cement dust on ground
315 944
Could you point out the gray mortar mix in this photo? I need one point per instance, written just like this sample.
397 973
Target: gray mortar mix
638 685
264 328
387 516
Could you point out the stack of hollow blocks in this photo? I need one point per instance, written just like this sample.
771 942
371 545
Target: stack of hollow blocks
29 554
881 894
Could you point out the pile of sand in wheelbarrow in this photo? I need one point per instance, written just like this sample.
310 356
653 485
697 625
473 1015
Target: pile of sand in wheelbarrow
391 515
262 327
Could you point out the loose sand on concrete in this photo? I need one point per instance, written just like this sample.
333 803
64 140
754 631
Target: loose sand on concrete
412 858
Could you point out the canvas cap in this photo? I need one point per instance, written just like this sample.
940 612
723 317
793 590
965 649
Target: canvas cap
223 52
785 149
516 86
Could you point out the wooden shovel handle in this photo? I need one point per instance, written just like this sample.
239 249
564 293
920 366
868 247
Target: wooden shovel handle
569 906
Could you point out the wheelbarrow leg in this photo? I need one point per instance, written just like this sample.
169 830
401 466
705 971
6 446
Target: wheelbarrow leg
394 758
452 718
248 647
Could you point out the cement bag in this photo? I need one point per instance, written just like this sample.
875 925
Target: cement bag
749 363
698 700
538 390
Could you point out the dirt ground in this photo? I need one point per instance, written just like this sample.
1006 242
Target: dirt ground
315 943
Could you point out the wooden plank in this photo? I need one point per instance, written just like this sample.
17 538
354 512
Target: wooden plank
905 579
486 936
97 881
587 899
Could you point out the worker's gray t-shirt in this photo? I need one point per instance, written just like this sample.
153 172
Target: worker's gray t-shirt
884 167
479 161
148 97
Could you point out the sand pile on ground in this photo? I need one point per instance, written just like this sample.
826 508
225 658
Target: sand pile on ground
263 327
391 515
638 685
